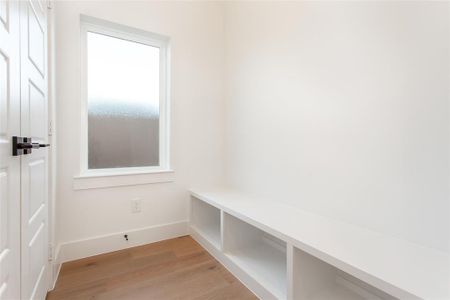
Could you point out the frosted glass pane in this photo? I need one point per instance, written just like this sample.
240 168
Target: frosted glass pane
123 103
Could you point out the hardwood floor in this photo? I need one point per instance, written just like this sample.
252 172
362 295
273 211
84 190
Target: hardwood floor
172 269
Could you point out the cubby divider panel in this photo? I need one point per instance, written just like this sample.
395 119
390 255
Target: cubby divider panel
205 219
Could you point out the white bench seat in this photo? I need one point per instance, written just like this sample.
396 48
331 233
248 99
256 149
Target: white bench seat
397 267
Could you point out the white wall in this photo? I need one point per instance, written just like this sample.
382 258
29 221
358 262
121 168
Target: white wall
342 108
197 57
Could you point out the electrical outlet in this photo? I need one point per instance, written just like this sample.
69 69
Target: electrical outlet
136 206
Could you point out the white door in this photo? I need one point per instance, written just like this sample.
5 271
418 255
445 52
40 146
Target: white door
9 165
34 166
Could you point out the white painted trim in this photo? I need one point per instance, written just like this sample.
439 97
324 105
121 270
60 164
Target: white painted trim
91 24
222 231
52 272
56 268
114 180
112 242
121 172
290 270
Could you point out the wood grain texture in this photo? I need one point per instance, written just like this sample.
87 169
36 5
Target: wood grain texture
172 269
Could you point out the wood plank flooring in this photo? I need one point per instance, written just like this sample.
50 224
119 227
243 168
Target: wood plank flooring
173 269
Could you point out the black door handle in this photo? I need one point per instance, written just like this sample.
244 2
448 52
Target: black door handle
23 145
43 145
31 145
37 145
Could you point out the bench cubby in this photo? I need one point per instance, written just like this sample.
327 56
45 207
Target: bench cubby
258 253
314 279
205 220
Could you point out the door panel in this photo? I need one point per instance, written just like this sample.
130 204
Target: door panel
36 249
4 11
4 97
36 38
4 218
37 105
9 165
34 226
34 171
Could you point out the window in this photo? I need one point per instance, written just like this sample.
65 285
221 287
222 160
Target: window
126 105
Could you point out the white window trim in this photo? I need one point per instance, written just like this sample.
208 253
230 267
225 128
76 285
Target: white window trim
90 24
121 179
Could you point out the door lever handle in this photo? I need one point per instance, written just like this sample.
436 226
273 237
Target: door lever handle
31 145
37 145
23 145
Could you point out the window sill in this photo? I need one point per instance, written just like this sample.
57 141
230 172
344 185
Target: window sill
96 180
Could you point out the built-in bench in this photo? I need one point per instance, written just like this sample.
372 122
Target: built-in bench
280 252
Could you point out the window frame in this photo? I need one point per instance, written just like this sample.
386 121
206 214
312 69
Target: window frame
94 25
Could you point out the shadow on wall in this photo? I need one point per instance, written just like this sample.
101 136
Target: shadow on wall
135 138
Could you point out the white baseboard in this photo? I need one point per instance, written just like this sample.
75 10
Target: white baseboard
116 241
56 268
